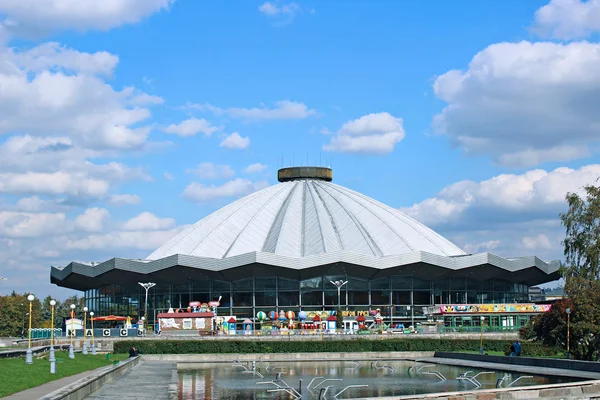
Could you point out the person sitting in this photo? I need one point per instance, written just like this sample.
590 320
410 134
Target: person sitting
132 352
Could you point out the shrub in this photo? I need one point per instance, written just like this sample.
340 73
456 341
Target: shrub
342 346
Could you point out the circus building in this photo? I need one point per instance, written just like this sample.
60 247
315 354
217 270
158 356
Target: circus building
283 247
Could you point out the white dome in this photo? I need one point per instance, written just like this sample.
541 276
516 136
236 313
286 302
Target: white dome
302 218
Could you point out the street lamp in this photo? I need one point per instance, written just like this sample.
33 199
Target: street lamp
29 354
85 346
481 335
93 345
71 352
52 357
146 286
568 311
338 285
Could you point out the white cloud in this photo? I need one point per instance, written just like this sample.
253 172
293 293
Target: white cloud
54 166
168 176
52 55
538 242
238 187
23 225
142 240
35 204
235 141
488 246
255 168
509 215
36 17
191 127
568 19
284 109
147 221
524 103
51 90
209 170
124 199
273 9
534 193
92 220
53 183
373 133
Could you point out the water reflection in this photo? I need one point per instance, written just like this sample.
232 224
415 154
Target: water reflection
224 381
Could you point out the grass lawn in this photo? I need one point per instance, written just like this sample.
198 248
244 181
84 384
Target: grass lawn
16 376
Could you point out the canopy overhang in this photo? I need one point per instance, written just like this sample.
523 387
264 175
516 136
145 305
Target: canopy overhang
178 268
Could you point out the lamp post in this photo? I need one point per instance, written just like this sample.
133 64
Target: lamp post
29 354
93 345
85 346
52 357
568 311
71 350
143 327
146 286
482 318
338 285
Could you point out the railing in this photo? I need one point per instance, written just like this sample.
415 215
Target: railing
45 333
476 329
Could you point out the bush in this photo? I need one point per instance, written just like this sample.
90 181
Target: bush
341 346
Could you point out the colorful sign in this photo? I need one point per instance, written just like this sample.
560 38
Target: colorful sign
345 313
214 303
494 308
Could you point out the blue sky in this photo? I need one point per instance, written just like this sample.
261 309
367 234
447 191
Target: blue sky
119 126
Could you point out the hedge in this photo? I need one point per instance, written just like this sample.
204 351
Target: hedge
341 346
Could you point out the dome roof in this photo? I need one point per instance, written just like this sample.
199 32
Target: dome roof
306 217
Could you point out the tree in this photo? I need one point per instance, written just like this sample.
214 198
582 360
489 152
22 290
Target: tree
14 320
582 238
582 287
339 319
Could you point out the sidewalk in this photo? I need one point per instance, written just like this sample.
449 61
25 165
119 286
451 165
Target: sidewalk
46 388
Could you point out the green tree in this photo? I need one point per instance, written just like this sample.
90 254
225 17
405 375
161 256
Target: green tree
14 318
582 236
339 319
582 287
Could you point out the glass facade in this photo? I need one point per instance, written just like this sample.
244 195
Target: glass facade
399 297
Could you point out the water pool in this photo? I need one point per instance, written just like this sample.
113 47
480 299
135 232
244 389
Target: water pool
384 378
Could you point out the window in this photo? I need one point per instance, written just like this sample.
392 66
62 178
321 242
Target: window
287 299
380 284
220 286
265 298
265 283
356 297
287 284
242 299
313 298
422 298
421 284
401 282
401 297
312 284
243 285
380 297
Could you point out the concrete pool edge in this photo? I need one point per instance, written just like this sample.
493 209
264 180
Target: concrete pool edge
288 357
574 390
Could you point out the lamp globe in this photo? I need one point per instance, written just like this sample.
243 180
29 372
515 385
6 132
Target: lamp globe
52 303
31 297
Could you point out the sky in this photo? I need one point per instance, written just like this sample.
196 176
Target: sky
124 121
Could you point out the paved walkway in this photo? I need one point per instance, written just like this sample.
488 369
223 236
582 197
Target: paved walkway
512 367
147 380
46 388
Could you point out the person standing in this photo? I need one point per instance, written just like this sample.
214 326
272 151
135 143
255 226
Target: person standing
517 348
